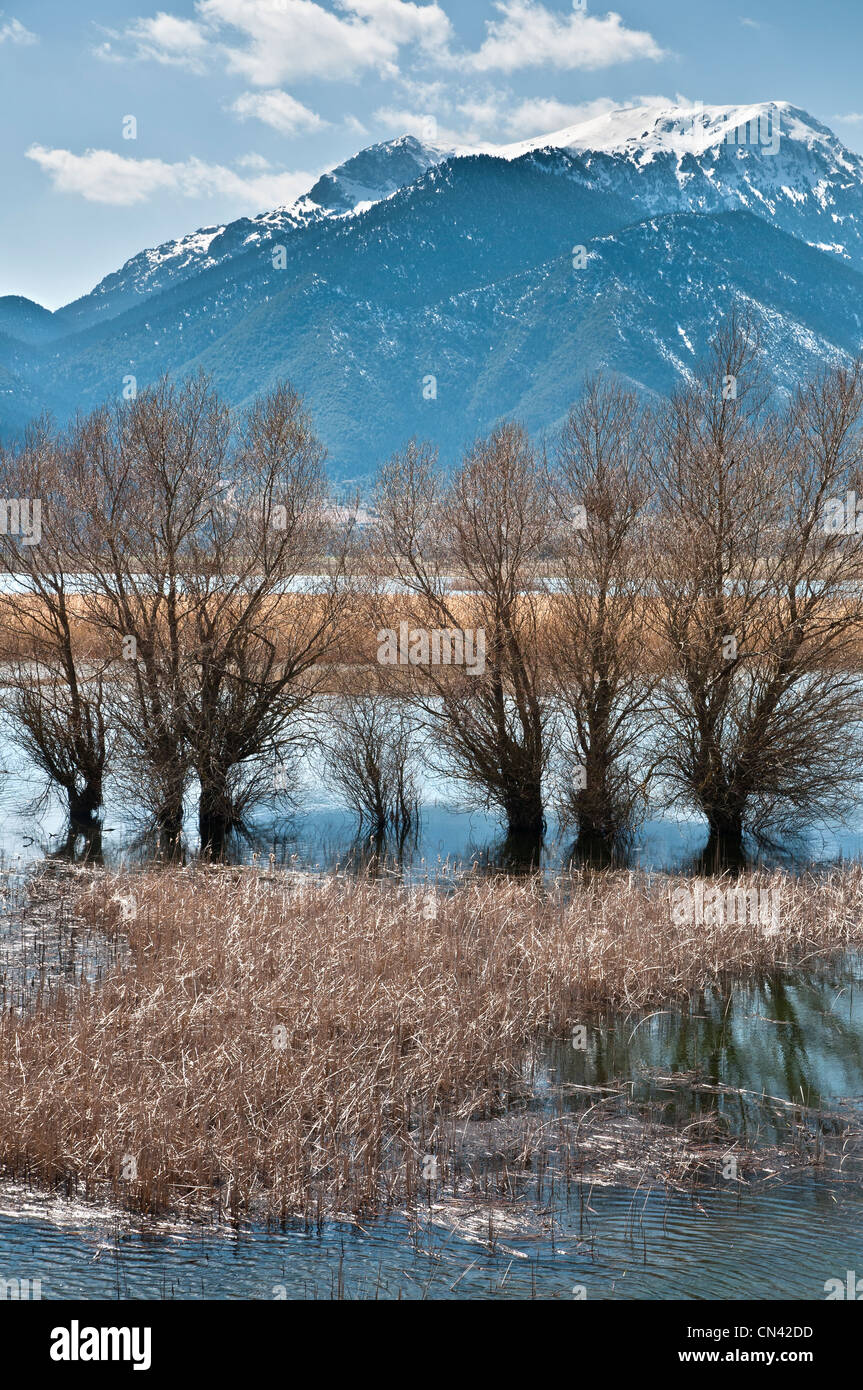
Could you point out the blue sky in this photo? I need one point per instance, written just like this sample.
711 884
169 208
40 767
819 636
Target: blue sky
238 105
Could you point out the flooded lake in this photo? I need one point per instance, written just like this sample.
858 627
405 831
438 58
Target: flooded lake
320 833
631 1245
772 1069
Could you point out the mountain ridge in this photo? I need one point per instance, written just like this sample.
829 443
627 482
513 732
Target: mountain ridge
450 276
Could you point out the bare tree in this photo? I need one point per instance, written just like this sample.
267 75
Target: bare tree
758 602
143 473
467 553
195 530
370 755
54 682
269 599
600 652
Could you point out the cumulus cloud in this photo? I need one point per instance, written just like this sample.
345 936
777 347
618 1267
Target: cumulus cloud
528 35
279 110
13 31
498 112
270 42
400 120
101 176
355 126
426 24
491 117
167 39
546 114
285 39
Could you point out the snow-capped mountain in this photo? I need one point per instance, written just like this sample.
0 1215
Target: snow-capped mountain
770 158
717 157
351 187
643 132
410 261
376 173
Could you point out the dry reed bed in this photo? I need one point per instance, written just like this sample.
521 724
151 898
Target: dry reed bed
354 645
284 1045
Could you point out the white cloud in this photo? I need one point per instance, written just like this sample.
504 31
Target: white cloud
421 91
272 42
399 120
252 161
851 118
13 31
498 111
165 39
288 39
101 176
540 114
279 110
495 116
485 112
425 24
529 35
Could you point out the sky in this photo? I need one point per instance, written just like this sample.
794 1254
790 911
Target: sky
123 126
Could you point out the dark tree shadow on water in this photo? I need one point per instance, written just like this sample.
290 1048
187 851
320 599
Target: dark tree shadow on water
79 848
514 853
74 846
736 854
380 855
598 852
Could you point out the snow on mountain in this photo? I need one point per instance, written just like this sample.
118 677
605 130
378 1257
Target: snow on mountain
377 172
770 158
357 184
643 132
410 259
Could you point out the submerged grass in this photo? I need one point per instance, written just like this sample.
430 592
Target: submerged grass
282 1045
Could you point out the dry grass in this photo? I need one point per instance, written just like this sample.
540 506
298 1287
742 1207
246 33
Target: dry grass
22 636
401 1008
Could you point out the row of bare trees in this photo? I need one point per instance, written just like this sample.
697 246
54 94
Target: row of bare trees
651 604
158 615
665 605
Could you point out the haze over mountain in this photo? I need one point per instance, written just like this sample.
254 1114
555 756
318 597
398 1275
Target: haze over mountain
423 290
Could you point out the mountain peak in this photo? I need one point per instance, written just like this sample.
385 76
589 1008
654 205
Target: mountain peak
375 173
679 225
25 319
645 131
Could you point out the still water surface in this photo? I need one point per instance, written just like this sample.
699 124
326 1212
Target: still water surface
774 1063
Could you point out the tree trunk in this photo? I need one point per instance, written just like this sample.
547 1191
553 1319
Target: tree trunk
524 811
169 825
601 831
84 807
594 846
724 848
525 827
216 814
